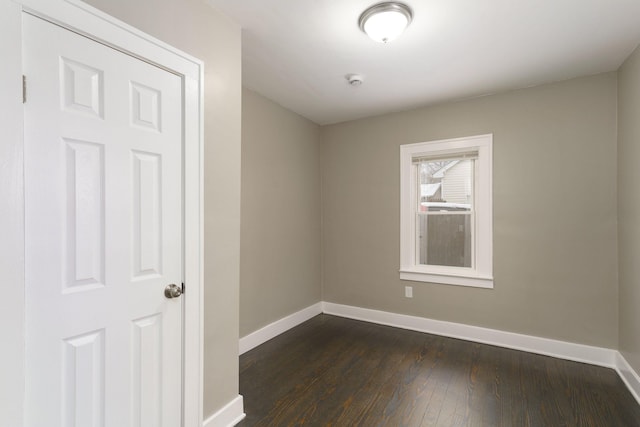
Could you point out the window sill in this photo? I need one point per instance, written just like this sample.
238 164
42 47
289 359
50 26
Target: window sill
417 275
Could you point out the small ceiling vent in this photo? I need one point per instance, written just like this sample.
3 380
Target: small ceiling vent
354 79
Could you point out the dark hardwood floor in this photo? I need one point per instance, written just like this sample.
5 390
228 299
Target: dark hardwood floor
332 371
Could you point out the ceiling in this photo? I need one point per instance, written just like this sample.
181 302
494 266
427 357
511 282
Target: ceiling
298 52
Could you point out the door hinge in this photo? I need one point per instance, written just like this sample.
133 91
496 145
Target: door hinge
24 88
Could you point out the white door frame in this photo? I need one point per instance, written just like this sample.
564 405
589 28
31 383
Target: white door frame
86 20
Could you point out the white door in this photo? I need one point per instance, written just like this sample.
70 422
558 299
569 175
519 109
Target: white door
103 234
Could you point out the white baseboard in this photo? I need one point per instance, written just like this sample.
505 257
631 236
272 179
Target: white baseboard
599 356
563 350
274 329
548 347
628 375
228 416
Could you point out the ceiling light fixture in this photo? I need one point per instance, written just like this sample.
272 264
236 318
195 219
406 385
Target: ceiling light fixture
384 22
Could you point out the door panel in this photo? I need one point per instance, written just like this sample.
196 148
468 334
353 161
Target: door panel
103 233
147 215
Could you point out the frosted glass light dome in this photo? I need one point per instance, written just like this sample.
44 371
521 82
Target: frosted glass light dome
384 22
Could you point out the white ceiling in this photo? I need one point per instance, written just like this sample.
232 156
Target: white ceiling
297 52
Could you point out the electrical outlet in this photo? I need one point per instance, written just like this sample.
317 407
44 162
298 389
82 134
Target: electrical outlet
408 291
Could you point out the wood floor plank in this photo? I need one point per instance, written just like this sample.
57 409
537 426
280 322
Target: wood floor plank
331 371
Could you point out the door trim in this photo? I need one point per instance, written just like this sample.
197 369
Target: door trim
88 21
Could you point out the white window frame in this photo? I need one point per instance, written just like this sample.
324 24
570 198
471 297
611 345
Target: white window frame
481 272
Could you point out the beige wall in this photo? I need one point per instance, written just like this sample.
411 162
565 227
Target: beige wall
629 208
194 27
280 243
555 262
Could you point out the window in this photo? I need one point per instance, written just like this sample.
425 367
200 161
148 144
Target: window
446 212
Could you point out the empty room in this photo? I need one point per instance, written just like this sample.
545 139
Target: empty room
323 213
332 211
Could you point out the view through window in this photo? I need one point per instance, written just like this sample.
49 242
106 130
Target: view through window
445 212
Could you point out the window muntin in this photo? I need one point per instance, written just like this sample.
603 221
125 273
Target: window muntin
446 212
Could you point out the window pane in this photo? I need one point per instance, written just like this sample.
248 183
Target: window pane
444 239
445 210
445 184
